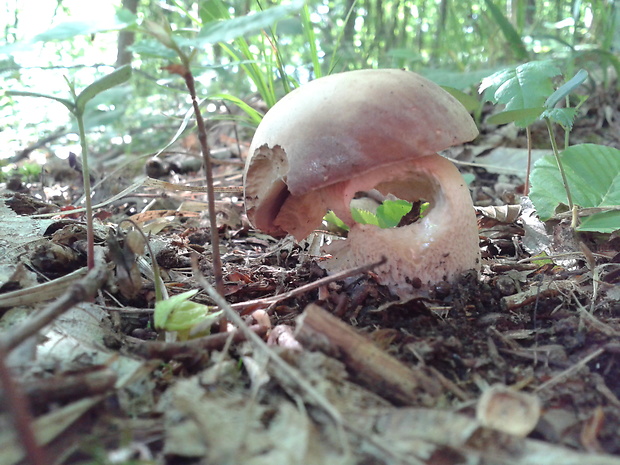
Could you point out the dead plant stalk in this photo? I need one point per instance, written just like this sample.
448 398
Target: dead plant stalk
206 155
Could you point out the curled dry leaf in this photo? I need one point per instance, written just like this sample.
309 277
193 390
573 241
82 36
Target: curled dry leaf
504 213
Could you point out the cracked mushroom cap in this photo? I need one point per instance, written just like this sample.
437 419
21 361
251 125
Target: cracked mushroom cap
358 131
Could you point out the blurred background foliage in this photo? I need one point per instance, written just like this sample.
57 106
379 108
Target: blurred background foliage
455 43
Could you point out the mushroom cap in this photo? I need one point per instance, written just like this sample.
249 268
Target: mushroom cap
342 126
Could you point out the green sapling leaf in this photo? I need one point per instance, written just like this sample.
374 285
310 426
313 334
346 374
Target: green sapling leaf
524 87
390 212
506 117
331 218
364 216
178 313
116 77
469 102
566 89
562 116
605 222
593 173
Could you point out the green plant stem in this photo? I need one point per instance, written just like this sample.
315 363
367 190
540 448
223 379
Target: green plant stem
90 236
206 154
556 154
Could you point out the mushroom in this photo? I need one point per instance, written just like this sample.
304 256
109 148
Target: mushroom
367 131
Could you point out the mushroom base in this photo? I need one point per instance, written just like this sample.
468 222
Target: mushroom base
438 247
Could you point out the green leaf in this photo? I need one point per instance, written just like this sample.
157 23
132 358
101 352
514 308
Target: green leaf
390 212
523 87
506 117
606 222
331 218
567 88
122 19
230 29
253 114
364 216
468 101
21 93
563 116
118 76
593 173
178 313
510 33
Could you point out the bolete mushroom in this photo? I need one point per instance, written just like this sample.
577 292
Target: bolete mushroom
361 131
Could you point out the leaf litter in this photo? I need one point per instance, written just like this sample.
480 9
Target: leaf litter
398 384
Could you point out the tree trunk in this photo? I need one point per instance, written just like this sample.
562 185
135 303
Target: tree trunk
126 38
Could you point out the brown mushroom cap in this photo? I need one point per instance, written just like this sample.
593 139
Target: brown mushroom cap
358 131
341 126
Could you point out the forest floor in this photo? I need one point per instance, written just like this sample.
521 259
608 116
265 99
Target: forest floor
517 365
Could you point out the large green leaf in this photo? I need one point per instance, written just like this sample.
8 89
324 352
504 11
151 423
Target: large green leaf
593 173
523 87
230 29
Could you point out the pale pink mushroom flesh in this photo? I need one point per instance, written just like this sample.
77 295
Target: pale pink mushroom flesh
358 131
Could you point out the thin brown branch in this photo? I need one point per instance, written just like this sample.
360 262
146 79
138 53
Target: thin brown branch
192 349
17 405
339 276
206 155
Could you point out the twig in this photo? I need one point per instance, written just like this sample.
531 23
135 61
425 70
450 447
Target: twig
17 404
310 286
569 371
218 274
193 348
367 363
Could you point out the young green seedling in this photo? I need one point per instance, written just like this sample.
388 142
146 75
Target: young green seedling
527 92
77 106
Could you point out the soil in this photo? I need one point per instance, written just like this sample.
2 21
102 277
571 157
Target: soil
548 328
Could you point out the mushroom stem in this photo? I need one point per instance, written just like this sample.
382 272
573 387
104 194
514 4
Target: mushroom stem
438 247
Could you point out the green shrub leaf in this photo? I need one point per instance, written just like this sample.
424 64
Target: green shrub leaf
562 116
567 88
605 222
523 87
593 173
